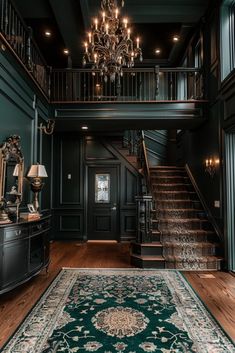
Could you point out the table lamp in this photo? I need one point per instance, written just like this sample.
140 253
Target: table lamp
36 173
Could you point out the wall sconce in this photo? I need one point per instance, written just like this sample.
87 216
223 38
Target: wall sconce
49 128
211 165
36 173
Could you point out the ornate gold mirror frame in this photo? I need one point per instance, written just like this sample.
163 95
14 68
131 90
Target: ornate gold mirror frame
11 155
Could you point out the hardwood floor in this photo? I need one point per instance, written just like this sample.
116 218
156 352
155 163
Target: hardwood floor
218 293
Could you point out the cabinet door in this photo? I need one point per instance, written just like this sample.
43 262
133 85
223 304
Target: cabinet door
46 247
15 262
36 252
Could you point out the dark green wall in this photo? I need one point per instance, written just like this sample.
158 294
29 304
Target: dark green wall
73 154
195 146
22 109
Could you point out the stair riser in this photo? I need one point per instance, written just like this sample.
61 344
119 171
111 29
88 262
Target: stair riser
181 226
174 196
188 251
180 214
170 187
170 180
147 250
195 238
166 173
171 204
194 265
147 263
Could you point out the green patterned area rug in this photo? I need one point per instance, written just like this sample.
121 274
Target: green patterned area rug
119 311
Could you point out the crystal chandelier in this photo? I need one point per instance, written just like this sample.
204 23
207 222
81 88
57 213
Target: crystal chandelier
109 46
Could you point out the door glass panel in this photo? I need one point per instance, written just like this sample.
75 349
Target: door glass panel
102 188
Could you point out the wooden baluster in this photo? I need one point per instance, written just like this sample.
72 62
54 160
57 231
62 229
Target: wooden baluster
144 218
156 70
29 49
171 87
119 87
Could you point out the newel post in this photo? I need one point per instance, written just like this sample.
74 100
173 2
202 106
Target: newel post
144 218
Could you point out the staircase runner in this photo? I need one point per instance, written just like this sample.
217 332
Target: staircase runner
188 239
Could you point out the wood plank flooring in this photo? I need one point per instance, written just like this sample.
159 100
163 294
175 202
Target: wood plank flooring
217 293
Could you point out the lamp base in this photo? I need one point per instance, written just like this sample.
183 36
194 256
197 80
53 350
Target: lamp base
36 187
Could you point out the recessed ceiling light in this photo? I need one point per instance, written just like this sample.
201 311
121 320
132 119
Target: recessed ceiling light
66 51
84 127
47 34
158 51
176 38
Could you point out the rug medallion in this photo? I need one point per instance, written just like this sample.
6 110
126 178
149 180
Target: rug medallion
119 311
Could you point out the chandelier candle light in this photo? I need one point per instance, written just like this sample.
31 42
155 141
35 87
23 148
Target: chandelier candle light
109 46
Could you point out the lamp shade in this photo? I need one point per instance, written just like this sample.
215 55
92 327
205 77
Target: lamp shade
37 171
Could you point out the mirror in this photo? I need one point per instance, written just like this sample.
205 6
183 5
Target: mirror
11 176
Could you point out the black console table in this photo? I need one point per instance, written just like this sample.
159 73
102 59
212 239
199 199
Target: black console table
24 251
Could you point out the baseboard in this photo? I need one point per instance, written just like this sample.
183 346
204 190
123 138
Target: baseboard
204 204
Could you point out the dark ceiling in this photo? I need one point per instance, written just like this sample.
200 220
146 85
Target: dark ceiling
155 21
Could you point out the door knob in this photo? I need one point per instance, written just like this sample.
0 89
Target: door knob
113 208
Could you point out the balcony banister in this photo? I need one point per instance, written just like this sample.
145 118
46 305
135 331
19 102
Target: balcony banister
19 36
136 85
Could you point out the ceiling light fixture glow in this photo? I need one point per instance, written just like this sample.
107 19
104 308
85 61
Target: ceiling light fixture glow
158 51
47 34
176 38
84 127
66 51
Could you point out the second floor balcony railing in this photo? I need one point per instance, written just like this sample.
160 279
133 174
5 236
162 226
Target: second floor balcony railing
19 36
136 85
83 85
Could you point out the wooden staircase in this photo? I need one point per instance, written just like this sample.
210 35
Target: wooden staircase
188 240
182 236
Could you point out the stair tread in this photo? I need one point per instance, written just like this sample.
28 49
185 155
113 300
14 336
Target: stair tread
180 209
166 167
170 177
173 184
176 170
153 244
208 257
175 192
182 220
199 244
178 200
189 231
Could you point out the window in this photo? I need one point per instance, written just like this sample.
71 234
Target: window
227 37
102 188
230 197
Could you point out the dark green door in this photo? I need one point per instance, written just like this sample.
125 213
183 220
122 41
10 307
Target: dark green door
102 203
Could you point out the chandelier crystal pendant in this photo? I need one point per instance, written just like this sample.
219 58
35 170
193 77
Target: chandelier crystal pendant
109 46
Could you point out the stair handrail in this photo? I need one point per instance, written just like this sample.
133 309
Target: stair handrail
143 162
145 200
